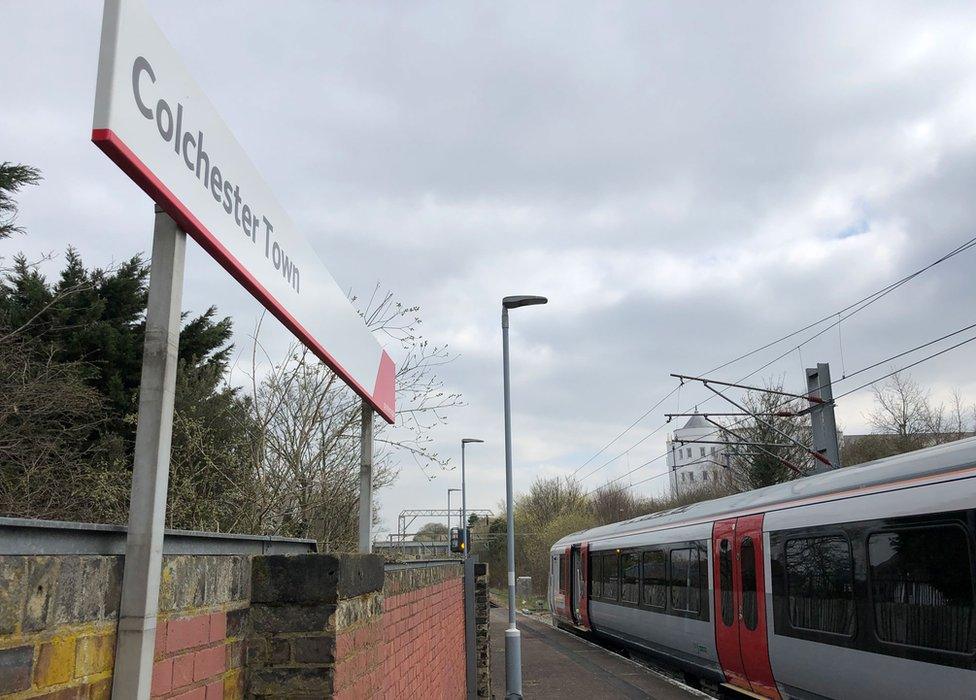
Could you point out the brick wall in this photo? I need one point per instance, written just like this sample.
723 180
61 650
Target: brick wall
301 606
57 626
342 627
58 618
414 647
200 631
238 626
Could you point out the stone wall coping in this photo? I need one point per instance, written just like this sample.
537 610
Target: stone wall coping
26 536
314 578
421 564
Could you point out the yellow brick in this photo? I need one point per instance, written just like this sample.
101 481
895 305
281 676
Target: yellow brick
94 655
233 690
102 690
56 662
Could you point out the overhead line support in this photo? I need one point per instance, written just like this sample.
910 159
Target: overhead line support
738 437
816 455
706 382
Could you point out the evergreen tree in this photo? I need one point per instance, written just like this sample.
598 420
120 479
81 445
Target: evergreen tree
95 318
12 178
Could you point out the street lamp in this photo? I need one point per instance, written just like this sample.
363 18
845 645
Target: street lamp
449 510
513 639
464 497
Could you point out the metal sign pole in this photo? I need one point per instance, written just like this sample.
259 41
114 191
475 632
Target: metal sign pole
366 480
150 473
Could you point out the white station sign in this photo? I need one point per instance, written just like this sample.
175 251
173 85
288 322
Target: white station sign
153 120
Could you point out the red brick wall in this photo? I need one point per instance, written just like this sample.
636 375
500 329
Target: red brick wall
415 650
196 659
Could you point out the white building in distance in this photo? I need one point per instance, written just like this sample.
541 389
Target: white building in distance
694 466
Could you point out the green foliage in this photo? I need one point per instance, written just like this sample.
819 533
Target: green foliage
214 444
12 178
96 319
75 346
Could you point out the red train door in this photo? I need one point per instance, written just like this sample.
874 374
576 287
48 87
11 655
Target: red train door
740 604
726 585
576 597
568 589
584 592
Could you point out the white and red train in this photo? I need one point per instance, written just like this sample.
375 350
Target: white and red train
856 583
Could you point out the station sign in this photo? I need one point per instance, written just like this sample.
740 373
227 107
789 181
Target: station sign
157 125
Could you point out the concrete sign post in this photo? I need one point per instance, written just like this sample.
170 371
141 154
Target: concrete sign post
150 473
366 480
156 124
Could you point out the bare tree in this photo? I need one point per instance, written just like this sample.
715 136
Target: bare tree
47 412
769 448
904 413
552 508
432 532
305 462
905 418
616 502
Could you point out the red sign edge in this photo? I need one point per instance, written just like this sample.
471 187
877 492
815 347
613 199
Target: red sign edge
383 396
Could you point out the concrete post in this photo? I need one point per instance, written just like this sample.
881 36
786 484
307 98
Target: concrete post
366 480
150 473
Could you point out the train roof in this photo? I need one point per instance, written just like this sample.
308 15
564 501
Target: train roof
930 461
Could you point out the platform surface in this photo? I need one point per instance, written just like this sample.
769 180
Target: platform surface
557 664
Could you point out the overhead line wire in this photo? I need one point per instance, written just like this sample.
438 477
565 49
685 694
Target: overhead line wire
854 308
831 384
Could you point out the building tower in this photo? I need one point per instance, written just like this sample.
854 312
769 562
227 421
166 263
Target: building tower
693 466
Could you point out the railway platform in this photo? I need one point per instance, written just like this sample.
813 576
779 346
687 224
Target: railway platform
557 664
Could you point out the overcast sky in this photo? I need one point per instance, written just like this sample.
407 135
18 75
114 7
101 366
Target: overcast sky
683 181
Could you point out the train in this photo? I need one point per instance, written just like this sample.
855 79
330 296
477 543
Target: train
853 583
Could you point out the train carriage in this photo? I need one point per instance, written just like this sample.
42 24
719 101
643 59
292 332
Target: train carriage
856 583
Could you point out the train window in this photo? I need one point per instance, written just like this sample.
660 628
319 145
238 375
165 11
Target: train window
725 581
922 586
562 573
747 563
685 580
655 579
820 584
596 575
630 577
611 575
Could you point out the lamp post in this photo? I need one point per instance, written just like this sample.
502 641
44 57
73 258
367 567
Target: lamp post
464 496
449 491
513 638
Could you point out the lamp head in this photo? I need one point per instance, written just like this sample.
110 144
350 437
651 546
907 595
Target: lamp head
522 300
465 441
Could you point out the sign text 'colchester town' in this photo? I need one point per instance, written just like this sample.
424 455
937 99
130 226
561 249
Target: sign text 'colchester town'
172 129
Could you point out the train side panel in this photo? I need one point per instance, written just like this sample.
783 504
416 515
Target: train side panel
816 664
689 643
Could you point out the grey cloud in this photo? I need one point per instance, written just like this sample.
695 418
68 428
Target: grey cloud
677 177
